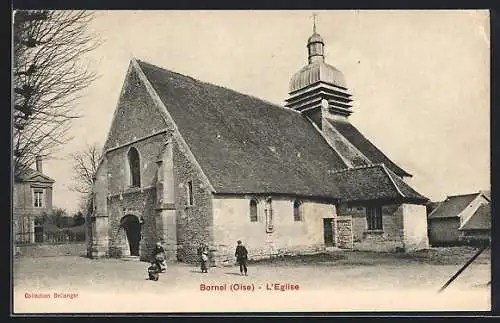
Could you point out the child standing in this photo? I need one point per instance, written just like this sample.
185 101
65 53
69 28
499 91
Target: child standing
204 262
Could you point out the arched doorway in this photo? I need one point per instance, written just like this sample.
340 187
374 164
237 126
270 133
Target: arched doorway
132 227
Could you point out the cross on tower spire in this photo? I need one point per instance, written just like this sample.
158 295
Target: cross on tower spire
314 21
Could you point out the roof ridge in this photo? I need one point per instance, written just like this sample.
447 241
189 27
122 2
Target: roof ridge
461 195
315 126
392 180
356 168
347 142
370 140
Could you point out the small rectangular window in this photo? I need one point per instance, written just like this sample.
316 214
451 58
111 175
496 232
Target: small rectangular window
190 200
38 198
374 217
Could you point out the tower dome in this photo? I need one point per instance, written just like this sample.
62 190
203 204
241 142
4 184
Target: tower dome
319 89
315 38
316 70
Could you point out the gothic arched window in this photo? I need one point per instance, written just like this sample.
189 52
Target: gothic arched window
297 210
253 211
135 167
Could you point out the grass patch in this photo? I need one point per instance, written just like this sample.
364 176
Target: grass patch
318 258
434 256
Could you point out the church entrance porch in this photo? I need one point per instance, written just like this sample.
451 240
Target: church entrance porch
130 235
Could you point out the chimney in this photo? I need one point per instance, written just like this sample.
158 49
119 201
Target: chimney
39 164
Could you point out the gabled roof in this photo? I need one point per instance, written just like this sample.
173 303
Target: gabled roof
244 144
366 147
452 206
31 175
374 182
480 220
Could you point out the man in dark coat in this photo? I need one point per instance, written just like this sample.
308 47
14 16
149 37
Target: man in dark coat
241 255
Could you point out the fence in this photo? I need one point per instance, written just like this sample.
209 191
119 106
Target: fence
58 237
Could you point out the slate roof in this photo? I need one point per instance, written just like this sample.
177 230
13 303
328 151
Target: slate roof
364 145
375 182
433 205
247 145
480 220
452 206
244 144
29 174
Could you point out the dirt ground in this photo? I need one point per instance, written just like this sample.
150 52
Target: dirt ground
340 281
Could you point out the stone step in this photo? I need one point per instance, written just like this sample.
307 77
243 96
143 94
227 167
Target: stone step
333 249
130 258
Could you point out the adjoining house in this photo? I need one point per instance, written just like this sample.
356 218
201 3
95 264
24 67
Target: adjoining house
32 196
453 213
187 162
477 229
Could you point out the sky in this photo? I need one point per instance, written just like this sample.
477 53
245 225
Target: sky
419 79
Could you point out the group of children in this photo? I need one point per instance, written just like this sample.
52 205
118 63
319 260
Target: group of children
158 264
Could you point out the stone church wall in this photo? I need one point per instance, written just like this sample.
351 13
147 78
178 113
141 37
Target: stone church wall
232 222
194 222
136 115
139 201
135 119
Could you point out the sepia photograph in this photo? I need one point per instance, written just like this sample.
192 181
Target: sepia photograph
251 161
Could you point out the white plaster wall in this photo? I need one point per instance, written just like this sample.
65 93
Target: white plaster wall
232 223
415 227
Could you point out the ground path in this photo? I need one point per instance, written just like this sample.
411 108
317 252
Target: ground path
360 281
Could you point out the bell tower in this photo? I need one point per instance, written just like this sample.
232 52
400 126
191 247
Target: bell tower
318 90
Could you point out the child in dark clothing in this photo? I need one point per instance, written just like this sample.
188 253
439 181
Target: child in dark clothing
204 262
154 271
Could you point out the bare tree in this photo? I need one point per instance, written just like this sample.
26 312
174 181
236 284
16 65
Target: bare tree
48 77
85 165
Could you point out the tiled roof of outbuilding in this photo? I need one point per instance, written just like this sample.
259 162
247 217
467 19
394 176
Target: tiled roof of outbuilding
374 182
452 206
480 220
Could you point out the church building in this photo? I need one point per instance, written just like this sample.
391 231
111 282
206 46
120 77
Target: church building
187 162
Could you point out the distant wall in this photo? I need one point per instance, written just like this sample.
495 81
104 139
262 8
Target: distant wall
444 231
53 250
